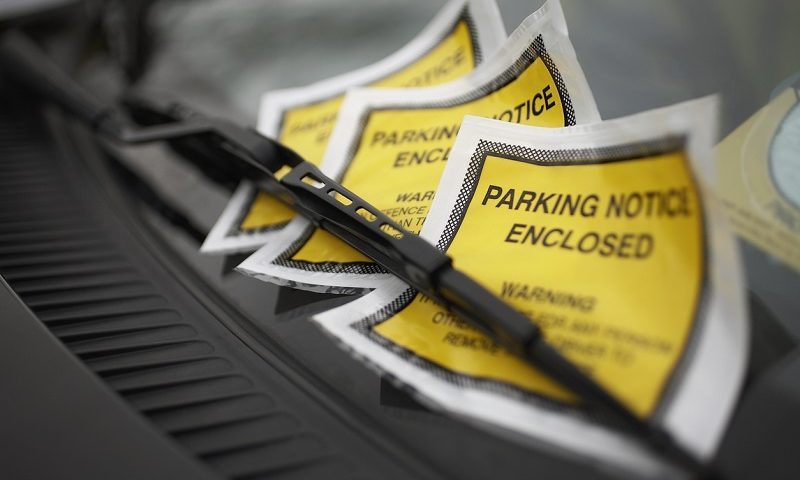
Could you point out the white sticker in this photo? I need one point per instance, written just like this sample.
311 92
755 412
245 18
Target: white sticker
553 222
390 146
456 40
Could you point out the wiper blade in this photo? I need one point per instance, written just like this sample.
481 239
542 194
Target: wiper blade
244 153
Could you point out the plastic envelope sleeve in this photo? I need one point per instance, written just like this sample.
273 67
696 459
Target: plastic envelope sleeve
455 41
390 146
607 237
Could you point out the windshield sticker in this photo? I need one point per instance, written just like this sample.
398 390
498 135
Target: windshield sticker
758 169
302 118
606 237
390 146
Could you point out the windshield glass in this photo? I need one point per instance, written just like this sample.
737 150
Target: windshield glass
636 57
220 57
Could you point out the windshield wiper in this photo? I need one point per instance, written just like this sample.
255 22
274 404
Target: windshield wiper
243 153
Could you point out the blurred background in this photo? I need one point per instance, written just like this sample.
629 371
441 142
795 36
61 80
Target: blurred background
636 55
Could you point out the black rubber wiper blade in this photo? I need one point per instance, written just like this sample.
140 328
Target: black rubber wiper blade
244 153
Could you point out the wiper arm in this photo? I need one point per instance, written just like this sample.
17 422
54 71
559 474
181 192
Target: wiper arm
244 153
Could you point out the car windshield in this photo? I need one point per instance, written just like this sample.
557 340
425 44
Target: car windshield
636 57
219 57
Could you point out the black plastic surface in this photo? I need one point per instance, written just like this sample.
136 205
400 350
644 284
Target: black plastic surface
69 424
762 442
168 350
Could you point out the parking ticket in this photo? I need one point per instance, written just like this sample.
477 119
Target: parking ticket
455 41
391 145
607 237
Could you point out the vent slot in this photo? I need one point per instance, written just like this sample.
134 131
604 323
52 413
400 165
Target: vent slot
102 304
